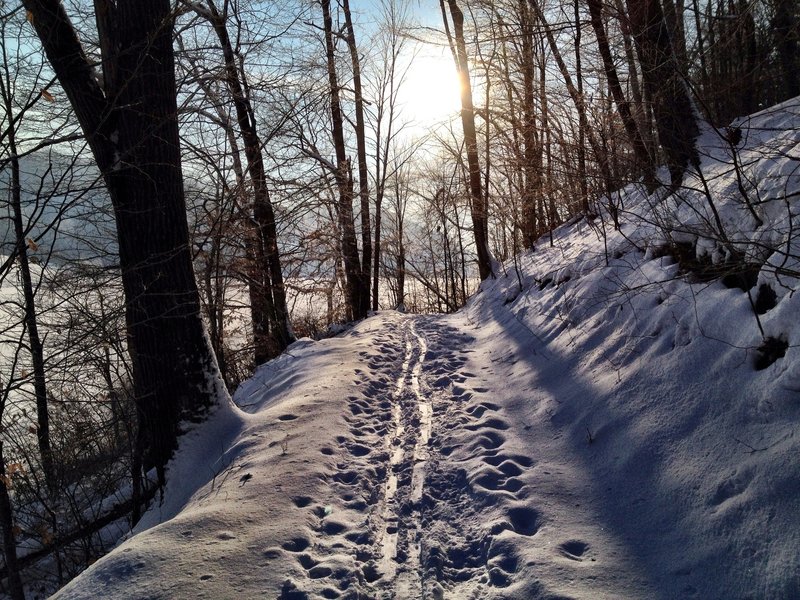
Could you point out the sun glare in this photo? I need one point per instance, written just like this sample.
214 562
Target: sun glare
430 93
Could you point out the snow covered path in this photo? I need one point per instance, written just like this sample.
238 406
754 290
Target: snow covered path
458 457
380 464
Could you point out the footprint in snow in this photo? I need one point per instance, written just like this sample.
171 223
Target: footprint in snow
730 487
573 549
519 459
489 440
524 520
302 501
491 423
297 544
358 449
307 561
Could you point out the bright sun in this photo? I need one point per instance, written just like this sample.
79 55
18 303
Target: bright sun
430 93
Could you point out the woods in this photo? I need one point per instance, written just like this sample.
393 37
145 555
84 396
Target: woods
190 187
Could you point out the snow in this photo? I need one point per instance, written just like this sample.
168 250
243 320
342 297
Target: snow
598 432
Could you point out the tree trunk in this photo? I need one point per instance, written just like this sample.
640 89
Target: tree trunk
532 151
673 16
787 41
271 326
479 210
363 170
385 107
31 320
577 98
676 123
344 180
132 130
15 590
623 106
401 251
583 184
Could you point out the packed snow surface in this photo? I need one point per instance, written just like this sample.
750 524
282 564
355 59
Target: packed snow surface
591 425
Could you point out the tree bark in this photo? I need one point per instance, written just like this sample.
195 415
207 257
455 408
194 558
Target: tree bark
643 157
30 319
577 98
15 589
343 176
479 210
363 169
787 41
674 113
272 331
132 129
532 152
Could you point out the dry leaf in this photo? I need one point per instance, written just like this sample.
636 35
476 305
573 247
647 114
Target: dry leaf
32 245
48 96
44 534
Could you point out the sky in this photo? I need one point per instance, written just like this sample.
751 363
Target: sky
430 94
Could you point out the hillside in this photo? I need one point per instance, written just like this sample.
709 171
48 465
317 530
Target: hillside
607 418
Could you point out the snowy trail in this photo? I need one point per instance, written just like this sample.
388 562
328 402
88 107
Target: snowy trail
379 465
407 447
426 463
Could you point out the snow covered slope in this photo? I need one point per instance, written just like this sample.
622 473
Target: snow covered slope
591 425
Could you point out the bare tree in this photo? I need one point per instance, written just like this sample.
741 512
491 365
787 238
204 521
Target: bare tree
673 109
363 167
389 80
130 123
21 254
479 208
623 106
344 177
271 326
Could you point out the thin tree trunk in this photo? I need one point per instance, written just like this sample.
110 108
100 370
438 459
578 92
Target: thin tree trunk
673 110
376 265
787 43
532 151
9 542
577 98
363 169
31 320
479 210
701 50
673 14
640 111
344 180
583 184
272 328
623 106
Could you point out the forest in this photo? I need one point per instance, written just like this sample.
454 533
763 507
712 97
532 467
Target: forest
189 187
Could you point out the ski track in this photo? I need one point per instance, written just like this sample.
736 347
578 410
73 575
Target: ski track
400 476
